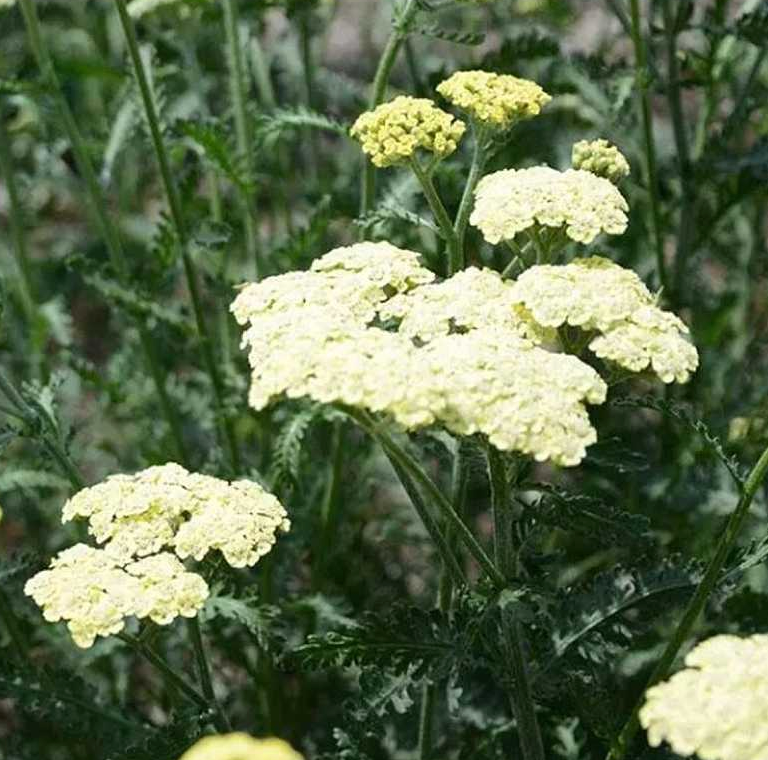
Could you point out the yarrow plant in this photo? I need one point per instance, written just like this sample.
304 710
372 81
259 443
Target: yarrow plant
475 339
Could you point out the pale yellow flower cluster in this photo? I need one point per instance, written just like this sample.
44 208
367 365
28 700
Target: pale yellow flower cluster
7 3
141 519
139 8
716 707
489 379
240 746
94 592
583 204
496 100
601 158
394 131
599 296
168 507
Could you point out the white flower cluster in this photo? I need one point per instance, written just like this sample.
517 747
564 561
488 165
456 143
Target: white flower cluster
95 592
510 201
167 507
716 707
139 8
310 341
142 520
599 296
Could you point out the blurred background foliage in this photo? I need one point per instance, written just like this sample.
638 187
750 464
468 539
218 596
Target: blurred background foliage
327 641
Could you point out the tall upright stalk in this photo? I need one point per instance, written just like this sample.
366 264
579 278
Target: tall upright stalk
697 603
513 636
688 205
642 83
177 217
378 89
238 97
99 207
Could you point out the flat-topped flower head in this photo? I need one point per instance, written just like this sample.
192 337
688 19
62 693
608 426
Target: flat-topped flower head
584 205
94 592
495 100
168 508
600 158
240 746
393 132
601 297
7 4
715 708
459 354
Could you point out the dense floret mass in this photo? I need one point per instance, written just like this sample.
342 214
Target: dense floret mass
459 354
601 297
495 100
139 8
240 746
95 593
716 707
584 205
167 507
393 132
601 158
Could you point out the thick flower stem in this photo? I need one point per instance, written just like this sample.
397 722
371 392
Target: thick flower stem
513 637
99 206
238 97
193 626
177 216
641 81
455 257
465 206
381 80
157 662
697 603
416 471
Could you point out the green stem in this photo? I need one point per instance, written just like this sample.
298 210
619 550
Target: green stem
521 698
98 205
441 216
688 205
415 470
238 96
380 81
8 616
641 81
329 506
26 286
222 722
697 603
177 216
157 662
465 206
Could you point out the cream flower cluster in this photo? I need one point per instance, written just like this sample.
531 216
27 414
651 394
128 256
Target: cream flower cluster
168 507
392 132
599 296
716 707
94 592
141 520
139 8
495 100
583 204
601 158
7 3
488 379
240 746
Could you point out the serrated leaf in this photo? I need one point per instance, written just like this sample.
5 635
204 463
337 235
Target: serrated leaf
11 480
257 618
450 35
270 126
395 213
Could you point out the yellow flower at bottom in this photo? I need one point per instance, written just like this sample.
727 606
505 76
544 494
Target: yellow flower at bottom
715 707
240 746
